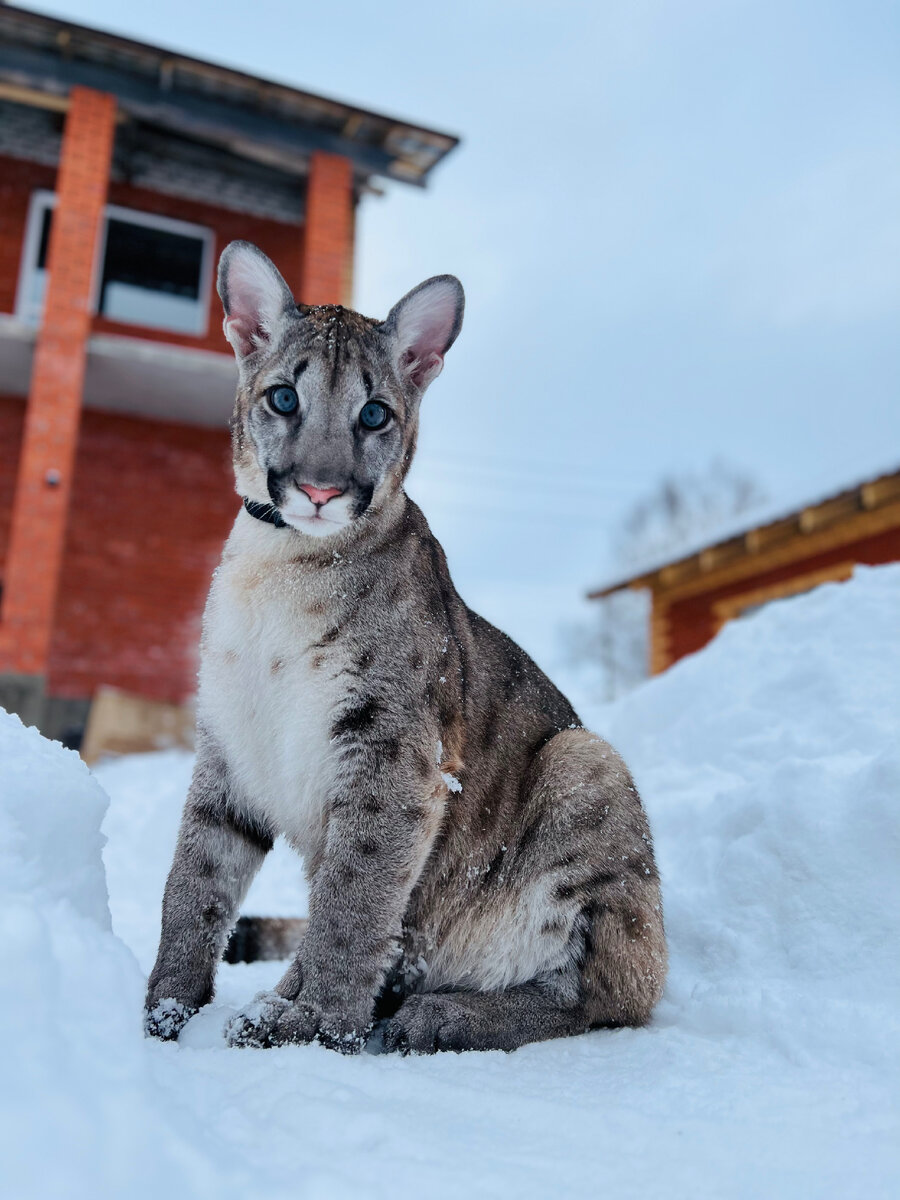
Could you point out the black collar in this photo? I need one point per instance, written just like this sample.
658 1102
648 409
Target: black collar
265 512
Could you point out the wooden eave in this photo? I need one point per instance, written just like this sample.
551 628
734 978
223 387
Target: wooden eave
862 511
44 56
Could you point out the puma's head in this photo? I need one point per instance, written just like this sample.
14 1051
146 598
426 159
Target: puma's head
327 409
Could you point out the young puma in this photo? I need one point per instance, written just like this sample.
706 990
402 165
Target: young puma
480 867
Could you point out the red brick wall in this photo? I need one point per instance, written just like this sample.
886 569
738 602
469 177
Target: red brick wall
12 419
152 504
17 182
691 621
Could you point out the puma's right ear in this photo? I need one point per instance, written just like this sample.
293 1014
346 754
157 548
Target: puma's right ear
423 326
254 296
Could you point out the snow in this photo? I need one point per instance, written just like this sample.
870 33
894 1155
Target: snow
770 765
450 781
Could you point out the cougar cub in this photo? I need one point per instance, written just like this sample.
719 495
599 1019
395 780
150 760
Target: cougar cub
480 867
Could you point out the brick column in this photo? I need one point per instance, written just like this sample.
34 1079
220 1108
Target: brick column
328 239
53 414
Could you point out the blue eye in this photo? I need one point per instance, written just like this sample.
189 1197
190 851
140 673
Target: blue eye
374 415
284 400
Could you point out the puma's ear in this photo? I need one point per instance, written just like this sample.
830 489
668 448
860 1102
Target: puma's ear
254 296
423 327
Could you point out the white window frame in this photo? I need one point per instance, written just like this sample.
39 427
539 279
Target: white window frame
42 199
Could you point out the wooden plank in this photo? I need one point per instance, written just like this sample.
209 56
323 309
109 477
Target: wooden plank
861 525
716 556
121 723
675 573
818 516
732 606
33 97
880 491
660 637
770 535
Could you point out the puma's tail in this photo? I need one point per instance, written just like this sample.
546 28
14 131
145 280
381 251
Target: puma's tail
256 938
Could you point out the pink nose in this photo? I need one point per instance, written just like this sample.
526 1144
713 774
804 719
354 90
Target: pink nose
320 496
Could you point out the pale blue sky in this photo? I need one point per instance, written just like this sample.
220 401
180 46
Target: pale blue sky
678 226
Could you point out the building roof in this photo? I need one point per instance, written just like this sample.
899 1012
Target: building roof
260 119
755 532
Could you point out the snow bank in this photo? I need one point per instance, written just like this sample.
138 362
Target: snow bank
80 1113
50 818
770 764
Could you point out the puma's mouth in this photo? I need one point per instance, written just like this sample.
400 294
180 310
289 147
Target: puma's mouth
314 517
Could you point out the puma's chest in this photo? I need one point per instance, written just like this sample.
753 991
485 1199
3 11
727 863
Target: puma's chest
270 682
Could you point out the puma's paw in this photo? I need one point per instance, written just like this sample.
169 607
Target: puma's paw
271 1020
166 1018
427 1023
256 1024
347 1035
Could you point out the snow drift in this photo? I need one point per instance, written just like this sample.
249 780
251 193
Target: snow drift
770 765
81 1115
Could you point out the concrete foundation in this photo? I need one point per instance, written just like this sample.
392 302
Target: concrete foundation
61 718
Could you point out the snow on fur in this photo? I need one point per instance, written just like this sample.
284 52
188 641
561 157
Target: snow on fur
770 764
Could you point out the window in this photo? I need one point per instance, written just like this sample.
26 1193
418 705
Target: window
152 271
33 273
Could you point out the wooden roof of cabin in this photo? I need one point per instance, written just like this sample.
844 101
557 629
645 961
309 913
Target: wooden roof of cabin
863 509
259 118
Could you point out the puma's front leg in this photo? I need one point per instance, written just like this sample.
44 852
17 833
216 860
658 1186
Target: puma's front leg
219 851
381 827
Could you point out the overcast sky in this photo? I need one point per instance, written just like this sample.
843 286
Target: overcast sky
678 227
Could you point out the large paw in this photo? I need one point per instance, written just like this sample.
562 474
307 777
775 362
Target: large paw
166 1018
260 1023
271 1020
347 1035
429 1022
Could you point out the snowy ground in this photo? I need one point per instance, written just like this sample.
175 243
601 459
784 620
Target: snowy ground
770 764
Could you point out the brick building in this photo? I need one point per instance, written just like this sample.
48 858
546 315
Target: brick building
124 171
782 554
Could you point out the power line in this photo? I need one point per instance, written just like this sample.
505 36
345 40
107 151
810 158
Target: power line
567 480
520 516
471 455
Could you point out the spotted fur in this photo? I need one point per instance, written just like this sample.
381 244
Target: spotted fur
480 867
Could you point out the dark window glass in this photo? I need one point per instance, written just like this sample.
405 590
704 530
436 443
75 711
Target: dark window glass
151 277
46 222
145 257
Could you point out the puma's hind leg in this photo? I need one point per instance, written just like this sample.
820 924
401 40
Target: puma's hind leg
607 984
580 884
432 1021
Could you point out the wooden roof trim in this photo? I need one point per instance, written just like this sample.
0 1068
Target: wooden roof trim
729 607
832 521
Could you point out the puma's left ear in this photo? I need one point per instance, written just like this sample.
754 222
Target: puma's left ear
423 327
254 296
